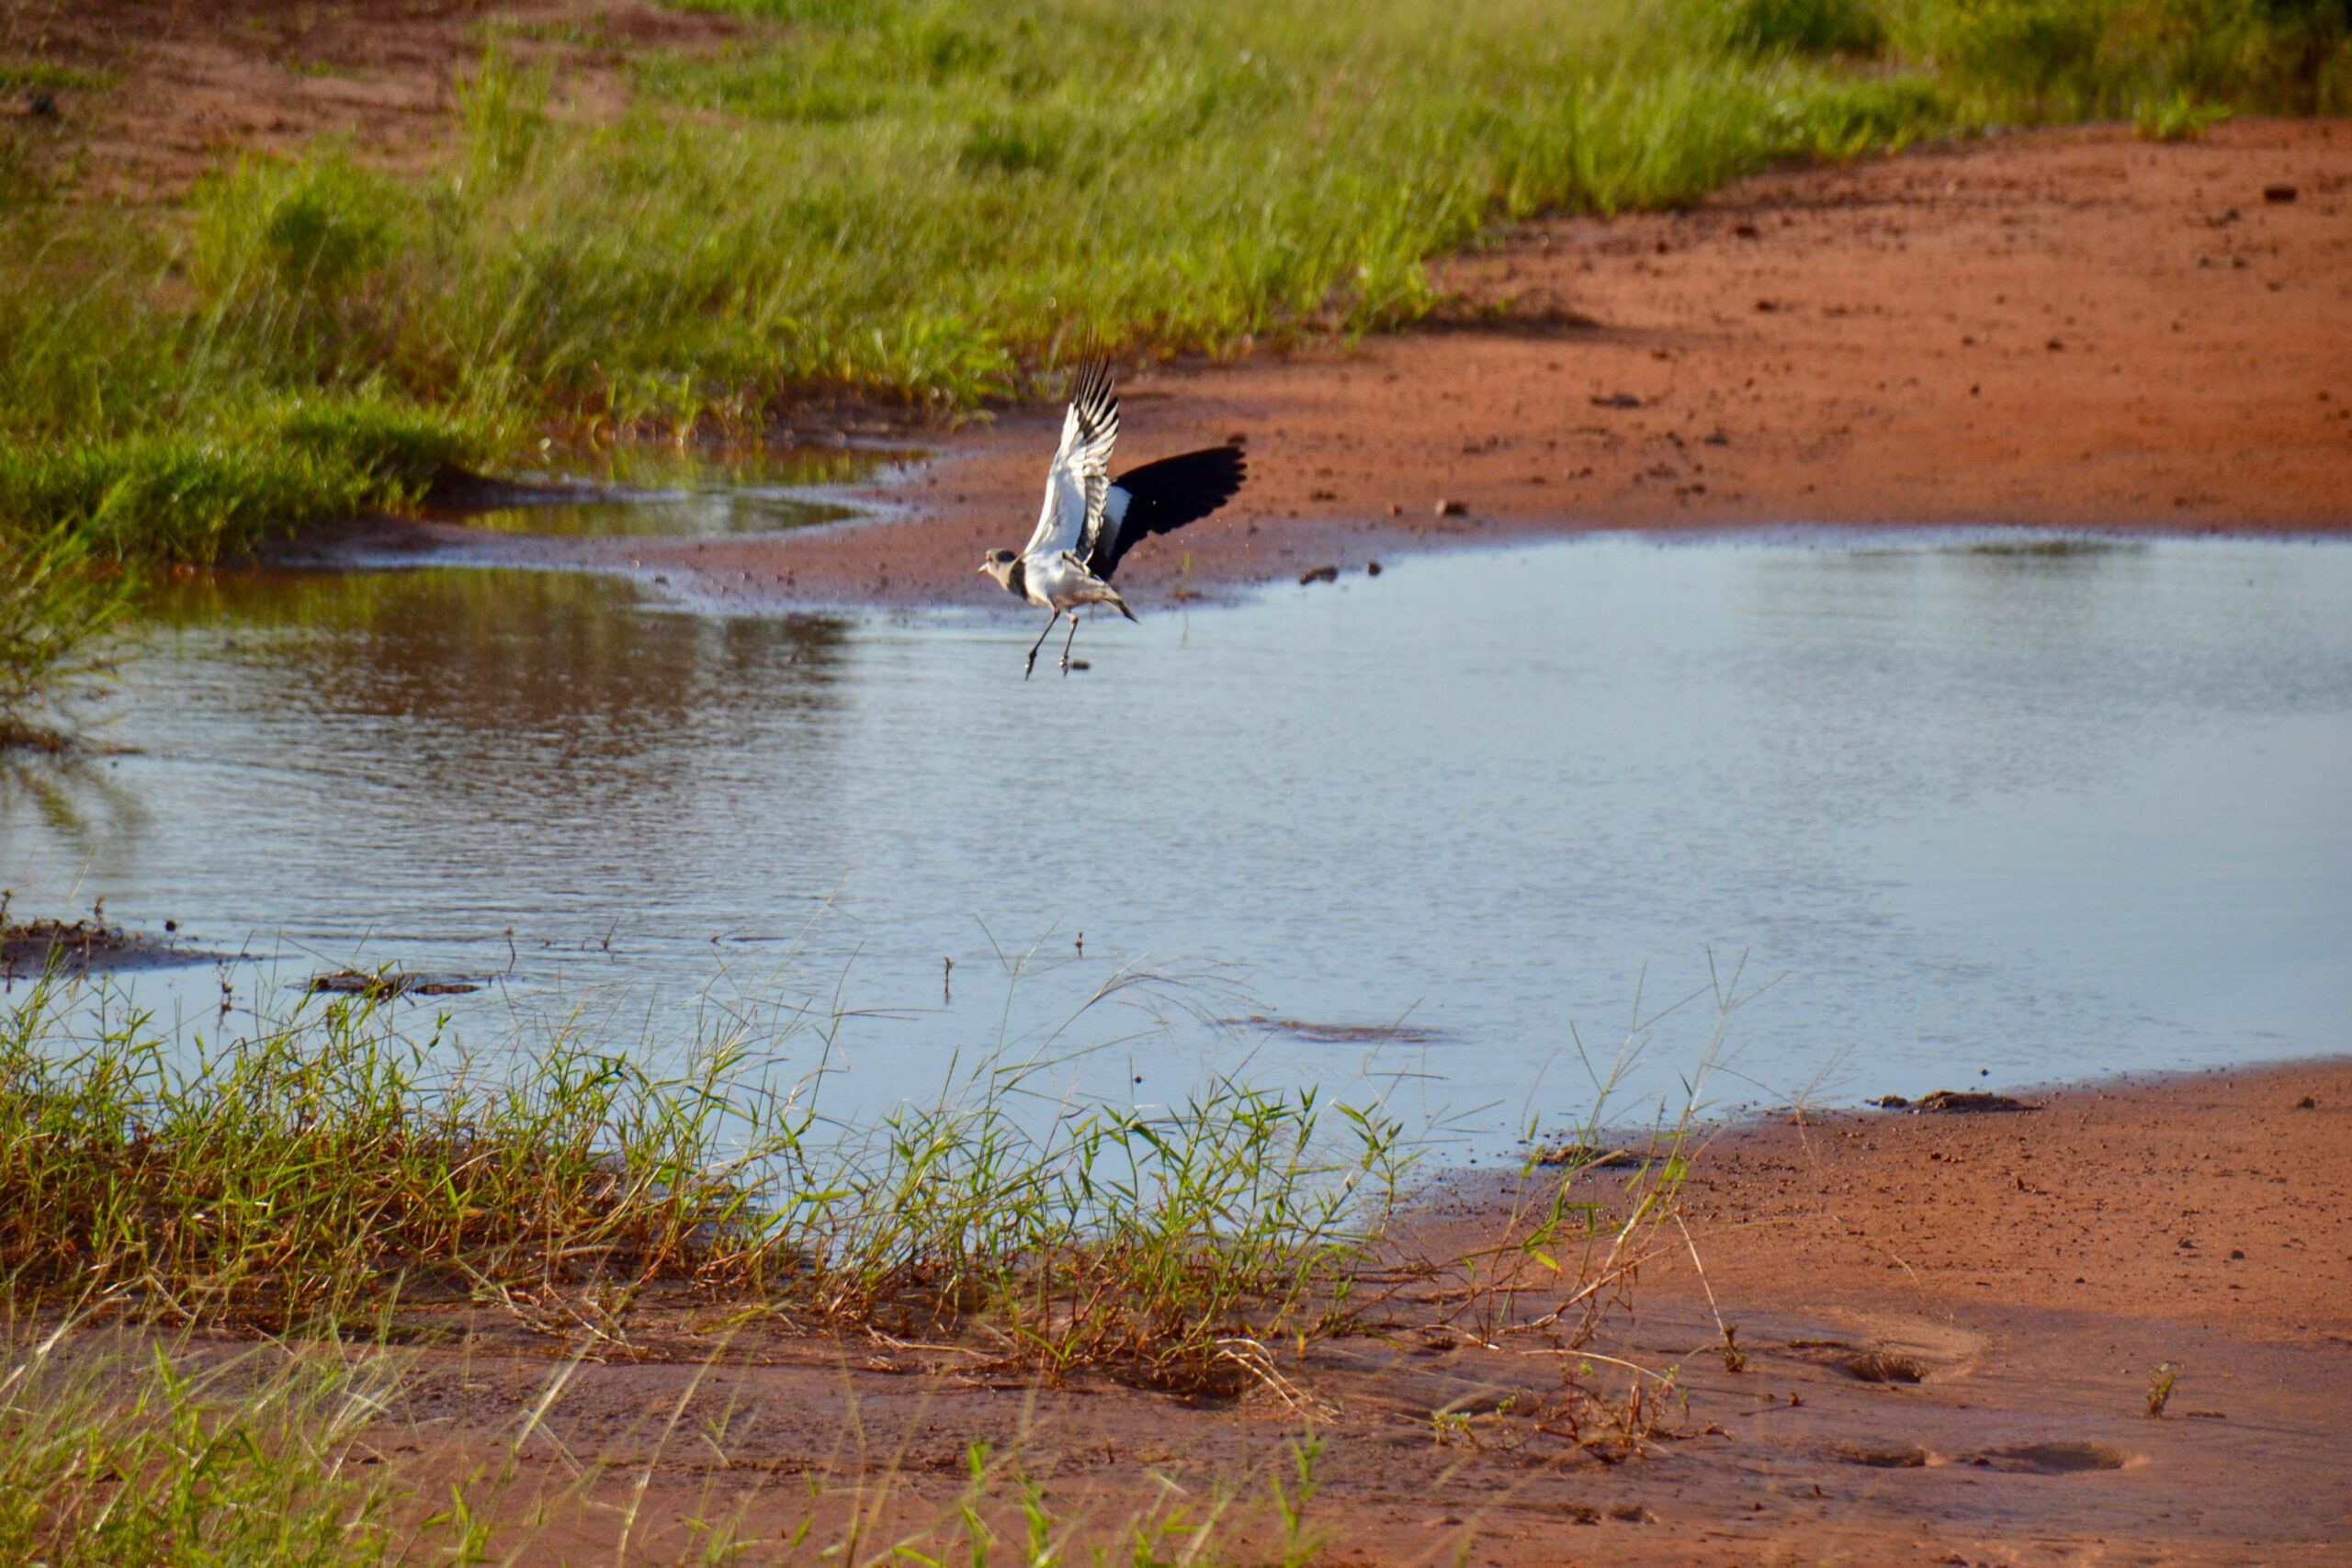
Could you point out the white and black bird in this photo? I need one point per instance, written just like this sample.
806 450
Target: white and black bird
1090 520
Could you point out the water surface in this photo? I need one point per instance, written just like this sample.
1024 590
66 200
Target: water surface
1973 806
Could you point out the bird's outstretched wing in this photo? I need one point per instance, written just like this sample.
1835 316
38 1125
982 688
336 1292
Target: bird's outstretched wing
1079 480
1162 496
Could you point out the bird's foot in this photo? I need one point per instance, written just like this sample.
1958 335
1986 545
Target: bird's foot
1029 667
1065 663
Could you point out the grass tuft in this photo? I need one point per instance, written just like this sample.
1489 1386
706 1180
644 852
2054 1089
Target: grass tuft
394 448
2176 116
49 77
111 1459
328 1170
1803 26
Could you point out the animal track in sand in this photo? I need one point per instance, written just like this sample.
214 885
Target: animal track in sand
1884 1456
1871 1364
2048 1459
2058 1458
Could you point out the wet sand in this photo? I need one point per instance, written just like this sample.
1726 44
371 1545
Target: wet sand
2071 328
1948 1321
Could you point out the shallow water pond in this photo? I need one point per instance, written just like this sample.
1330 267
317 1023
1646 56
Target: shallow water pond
1970 806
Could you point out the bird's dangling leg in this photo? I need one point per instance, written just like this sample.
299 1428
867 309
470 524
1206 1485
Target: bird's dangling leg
1033 646
1072 638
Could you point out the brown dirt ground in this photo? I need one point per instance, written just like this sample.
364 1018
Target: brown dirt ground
2017 1277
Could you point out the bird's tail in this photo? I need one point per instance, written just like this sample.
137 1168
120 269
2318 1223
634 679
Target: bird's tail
1120 604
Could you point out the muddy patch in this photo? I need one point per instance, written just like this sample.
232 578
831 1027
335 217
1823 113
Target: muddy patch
1952 1101
1323 1033
30 948
385 984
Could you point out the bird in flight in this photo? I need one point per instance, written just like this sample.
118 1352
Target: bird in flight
1090 520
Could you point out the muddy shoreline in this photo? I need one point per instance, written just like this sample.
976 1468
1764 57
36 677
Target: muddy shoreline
2071 330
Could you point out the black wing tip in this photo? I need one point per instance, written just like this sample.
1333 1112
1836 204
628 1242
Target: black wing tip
1094 386
1222 472
1205 479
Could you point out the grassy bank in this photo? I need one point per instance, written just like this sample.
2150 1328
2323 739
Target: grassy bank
357 1194
322 1172
935 202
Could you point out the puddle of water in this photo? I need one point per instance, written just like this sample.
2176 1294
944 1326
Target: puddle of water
644 493
683 514
2038 814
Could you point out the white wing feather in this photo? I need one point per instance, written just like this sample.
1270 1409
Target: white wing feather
1078 482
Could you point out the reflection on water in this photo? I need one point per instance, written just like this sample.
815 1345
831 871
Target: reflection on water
2037 813
646 492
553 657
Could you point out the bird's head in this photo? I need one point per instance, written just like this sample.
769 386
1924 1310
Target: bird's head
999 565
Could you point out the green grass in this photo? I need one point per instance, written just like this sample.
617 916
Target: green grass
2071 58
939 203
1802 27
123 1460
48 77
2176 116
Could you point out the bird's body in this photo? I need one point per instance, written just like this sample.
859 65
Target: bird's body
1060 582
1090 521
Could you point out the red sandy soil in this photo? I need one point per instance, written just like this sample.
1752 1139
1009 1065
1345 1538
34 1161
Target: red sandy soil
2018 1276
